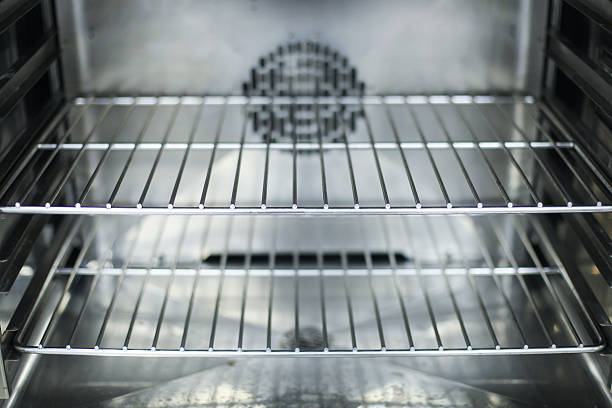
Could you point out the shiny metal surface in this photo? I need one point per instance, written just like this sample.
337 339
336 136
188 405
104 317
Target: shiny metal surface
497 381
328 383
406 155
451 310
169 286
201 47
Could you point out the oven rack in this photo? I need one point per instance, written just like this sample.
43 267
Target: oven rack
159 286
442 154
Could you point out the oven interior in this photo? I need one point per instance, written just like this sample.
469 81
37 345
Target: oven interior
318 203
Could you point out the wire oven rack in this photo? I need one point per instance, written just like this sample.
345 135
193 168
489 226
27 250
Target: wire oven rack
383 155
164 286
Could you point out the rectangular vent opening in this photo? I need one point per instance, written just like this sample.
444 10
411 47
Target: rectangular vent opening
305 260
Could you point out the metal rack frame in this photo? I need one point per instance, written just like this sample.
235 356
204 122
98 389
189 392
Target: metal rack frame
573 323
591 192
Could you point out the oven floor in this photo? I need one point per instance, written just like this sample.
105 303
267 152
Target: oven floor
494 381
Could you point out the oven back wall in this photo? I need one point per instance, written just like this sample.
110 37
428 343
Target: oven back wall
197 47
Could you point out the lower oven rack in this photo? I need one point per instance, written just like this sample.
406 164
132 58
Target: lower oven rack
369 286
302 155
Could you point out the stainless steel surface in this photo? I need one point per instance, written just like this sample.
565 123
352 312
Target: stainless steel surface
328 383
551 380
367 382
406 155
164 286
201 47
497 308
4 389
16 246
26 72
589 79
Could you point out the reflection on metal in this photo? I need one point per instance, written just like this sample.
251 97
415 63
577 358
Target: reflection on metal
308 383
390 155
140 287
4 391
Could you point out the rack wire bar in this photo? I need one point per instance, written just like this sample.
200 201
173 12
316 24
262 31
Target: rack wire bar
126 166
348 159
534 257
510 256
514 263
556 260
118 285
50 158
92 287
400 296
594 168
553 175
486 160
349 303
223 265
238 164
432 162
164 143
470 277
294 201
319 256
162 311
321 158
104 157
370 267
61 304
245 288
415 194
271 265
69 322
264 188
212 158
565 159
143 286
457 157
423 287
381 178
296 301
443 263
239 271
510 156
308 146
179 176
75 161
196 281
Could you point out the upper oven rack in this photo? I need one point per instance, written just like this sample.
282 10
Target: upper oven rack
438 154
